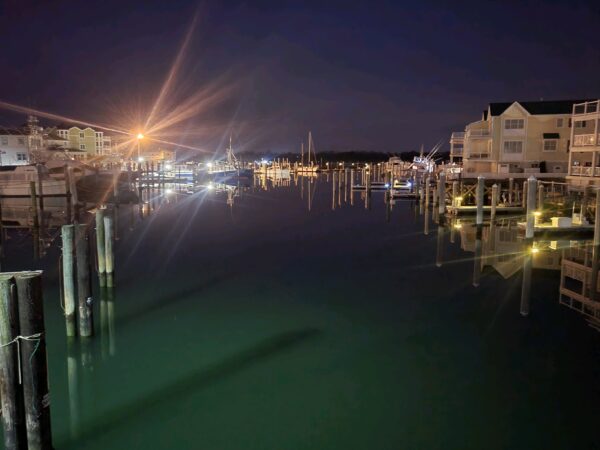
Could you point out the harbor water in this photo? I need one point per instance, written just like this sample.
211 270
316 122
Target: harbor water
287 318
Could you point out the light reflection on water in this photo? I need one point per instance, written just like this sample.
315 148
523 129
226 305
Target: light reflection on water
285 314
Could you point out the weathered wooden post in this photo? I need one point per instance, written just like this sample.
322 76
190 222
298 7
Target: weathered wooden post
84 291
108 245
15 435
494 202
455 187
442 195
68 235
531 190
426 222
116 185
595 250
40 187
68 191
34 207
427 191
100 246
480 195
511 189
524 199
33 357
333 185
540 197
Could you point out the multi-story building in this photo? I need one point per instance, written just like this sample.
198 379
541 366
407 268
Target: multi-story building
519 137
584 157
14 147
93 142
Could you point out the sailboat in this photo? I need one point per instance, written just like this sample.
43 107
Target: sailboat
232 167
311 167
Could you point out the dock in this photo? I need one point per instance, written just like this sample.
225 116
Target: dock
467 210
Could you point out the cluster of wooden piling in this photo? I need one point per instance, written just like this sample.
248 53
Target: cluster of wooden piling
23 372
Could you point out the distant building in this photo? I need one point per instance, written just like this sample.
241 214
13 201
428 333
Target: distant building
457 141
94 143
584 157
14 147
159 154
519 137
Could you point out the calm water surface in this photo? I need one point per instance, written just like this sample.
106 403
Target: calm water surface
268 326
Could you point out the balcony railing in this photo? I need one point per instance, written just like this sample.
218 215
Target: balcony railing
457 136
456 151
586 108
477 155
581 140
583 171
481 133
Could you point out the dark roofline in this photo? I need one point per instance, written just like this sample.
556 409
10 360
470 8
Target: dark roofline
540 107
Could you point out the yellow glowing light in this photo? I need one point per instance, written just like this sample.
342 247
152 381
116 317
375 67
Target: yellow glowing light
458 226
535 250
537 213
140 136
460 199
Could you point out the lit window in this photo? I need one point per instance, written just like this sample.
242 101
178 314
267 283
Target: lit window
514 124
559 122
550 145
513 146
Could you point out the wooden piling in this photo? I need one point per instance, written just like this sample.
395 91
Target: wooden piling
455 187
526 281
540 197
34 208
511 189
33 354
108 246
442 195
427 191
15 435
68 235
40 188
480 195
524 199
84 294
494 202
595 250
531 191
100 246
68 192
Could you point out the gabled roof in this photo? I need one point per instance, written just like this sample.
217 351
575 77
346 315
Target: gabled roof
539 107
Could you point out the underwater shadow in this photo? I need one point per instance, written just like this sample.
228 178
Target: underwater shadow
199 379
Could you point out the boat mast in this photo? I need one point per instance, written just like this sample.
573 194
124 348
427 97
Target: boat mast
302 153
309 145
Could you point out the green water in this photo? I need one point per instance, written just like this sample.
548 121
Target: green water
268 326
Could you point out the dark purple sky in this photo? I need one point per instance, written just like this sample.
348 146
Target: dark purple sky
372 76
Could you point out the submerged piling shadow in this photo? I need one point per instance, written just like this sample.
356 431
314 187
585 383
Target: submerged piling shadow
199 379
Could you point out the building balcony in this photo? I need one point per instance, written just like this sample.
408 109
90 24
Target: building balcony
478 134
587 108
458 137
476 155
584 171
585 140
456 152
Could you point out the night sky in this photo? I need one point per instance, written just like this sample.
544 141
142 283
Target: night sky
362 76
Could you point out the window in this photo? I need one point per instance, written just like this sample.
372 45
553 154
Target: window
580 124
513 146
550 145
81 146
4 140
21 141
514 124
99 134
21 156
82 135
560 122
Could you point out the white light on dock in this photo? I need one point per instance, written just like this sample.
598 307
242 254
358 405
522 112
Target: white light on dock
168 191
168 167
141 159
209 164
